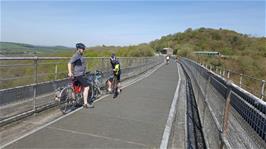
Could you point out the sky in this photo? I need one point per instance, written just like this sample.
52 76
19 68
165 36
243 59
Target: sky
123 23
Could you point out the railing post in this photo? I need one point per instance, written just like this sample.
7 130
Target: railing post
147 63
102 64
227 108
56 71
143 65
262 89
35 82
228 74
197 82
206 98
224 73
240 80
220 72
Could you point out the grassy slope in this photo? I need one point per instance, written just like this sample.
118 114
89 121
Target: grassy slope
245 54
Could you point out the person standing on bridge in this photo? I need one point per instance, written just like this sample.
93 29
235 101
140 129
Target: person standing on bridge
116 72
77 69
167 59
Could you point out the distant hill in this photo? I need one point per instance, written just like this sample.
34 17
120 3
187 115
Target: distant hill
227 42
245 54
21 49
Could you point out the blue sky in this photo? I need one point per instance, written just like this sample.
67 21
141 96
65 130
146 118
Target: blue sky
122 22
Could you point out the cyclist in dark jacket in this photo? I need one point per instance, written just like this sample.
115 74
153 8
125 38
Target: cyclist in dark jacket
116 73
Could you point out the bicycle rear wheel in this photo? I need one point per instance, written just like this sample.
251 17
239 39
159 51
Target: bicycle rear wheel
114 85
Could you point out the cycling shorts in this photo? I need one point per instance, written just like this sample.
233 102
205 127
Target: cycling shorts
82 81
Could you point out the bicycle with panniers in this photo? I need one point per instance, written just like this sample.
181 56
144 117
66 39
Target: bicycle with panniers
70 97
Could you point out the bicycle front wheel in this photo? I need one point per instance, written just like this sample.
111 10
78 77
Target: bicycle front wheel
66 100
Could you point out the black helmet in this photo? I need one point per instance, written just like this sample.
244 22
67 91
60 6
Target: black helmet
80 46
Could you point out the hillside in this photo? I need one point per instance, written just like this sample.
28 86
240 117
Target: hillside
245 54
20 49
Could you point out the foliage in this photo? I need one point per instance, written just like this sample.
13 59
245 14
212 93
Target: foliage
243 53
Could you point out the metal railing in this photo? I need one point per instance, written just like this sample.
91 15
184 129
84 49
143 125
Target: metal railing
249 83
28 83
215 96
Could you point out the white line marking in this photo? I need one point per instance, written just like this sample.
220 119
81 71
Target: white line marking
98 136
41 127
168 126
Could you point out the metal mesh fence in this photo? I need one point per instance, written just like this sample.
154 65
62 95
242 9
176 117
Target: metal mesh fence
218 119
210 125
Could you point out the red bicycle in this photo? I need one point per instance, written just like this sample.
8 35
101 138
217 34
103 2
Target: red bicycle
70 97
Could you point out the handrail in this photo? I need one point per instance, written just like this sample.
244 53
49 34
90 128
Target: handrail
226 73
56 58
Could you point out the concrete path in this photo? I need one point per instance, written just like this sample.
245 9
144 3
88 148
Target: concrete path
136 119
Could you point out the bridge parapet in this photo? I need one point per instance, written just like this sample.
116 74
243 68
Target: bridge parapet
38 78
247 118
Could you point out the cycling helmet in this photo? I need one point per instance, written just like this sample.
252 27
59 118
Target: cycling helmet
80 46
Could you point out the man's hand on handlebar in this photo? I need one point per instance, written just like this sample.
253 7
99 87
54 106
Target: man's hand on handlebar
70 74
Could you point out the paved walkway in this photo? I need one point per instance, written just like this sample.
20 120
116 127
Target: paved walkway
136 119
